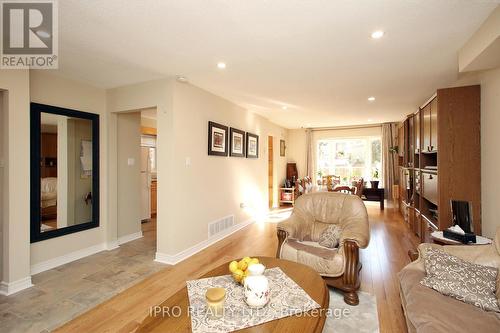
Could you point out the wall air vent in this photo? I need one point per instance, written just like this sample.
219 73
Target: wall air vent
220 225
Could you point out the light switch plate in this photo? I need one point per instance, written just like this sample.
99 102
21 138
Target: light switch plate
131 161
188 161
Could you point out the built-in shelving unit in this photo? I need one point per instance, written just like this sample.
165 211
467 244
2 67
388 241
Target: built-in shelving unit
440 160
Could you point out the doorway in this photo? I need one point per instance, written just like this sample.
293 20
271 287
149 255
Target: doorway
149 183
270 170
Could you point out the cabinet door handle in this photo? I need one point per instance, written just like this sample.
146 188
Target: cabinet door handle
430 177
432 147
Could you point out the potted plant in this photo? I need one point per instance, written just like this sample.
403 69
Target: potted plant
394 149
375 180
320 178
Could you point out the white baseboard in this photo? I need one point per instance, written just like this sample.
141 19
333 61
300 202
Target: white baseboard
69 257
66 258
9 288
183 255
129 238
112 245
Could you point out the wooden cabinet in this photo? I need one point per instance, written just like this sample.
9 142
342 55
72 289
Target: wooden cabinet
416 131
401 140
450 119
430 126
434 125
417 229
154 201
430 186
426 118
427 228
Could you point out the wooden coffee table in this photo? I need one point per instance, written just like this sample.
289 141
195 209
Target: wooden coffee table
304 276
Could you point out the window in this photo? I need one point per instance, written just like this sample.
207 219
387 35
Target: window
350 158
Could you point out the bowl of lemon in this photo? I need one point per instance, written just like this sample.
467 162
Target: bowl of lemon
239 269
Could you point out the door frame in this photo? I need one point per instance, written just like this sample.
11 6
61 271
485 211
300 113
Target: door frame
270 170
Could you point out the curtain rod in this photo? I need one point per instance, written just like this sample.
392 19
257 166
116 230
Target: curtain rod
343 127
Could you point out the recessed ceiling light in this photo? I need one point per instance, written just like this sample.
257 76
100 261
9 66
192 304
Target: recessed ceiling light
377 34
181 79
43 34
370 120
221 65
284 107
371 98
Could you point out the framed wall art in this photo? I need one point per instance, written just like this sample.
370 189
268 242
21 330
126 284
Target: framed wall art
282 147
217 139
236 142
252 145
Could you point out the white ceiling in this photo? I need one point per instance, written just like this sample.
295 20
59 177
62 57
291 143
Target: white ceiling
316 56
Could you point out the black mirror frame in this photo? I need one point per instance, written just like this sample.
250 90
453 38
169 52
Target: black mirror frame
35 149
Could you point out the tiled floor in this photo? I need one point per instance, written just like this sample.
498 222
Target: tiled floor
62 293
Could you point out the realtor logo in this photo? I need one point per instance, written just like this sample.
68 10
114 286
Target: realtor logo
29 34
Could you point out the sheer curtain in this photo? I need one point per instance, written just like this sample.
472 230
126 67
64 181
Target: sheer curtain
309 152
389 159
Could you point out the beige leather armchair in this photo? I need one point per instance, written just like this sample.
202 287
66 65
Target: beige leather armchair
298 238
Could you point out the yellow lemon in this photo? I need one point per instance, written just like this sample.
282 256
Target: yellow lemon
238 275
233 266
246 259
242 265
254 261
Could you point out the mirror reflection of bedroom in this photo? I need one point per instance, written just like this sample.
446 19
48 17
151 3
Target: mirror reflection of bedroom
65 171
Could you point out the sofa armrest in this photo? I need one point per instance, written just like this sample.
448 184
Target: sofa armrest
477 254
291 225
356 229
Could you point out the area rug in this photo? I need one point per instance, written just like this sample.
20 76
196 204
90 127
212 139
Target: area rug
345 318
278 216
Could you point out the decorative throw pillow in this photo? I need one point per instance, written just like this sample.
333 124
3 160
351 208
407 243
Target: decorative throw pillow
330 236
467 282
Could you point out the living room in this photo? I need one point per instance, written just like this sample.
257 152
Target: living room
295 147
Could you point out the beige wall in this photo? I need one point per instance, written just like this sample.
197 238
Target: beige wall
215 185
129 185
16 187
3 138
490 156
135 97
47 88
296 150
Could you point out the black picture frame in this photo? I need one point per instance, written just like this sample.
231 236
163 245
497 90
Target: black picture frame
215 142
35 150
232 133
282 148
249 152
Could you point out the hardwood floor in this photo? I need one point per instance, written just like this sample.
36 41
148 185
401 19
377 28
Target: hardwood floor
384 257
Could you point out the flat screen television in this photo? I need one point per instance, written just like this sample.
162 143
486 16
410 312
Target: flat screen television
461 212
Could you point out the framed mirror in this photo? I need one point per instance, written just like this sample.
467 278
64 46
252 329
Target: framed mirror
64 171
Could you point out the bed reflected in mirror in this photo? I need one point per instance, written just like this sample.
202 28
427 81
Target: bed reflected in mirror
66 171
64 148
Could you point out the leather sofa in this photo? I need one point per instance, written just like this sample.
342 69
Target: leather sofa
298 238
427 310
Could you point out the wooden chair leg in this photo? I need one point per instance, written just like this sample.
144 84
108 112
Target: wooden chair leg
351 273
351 297
349 282
282 235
